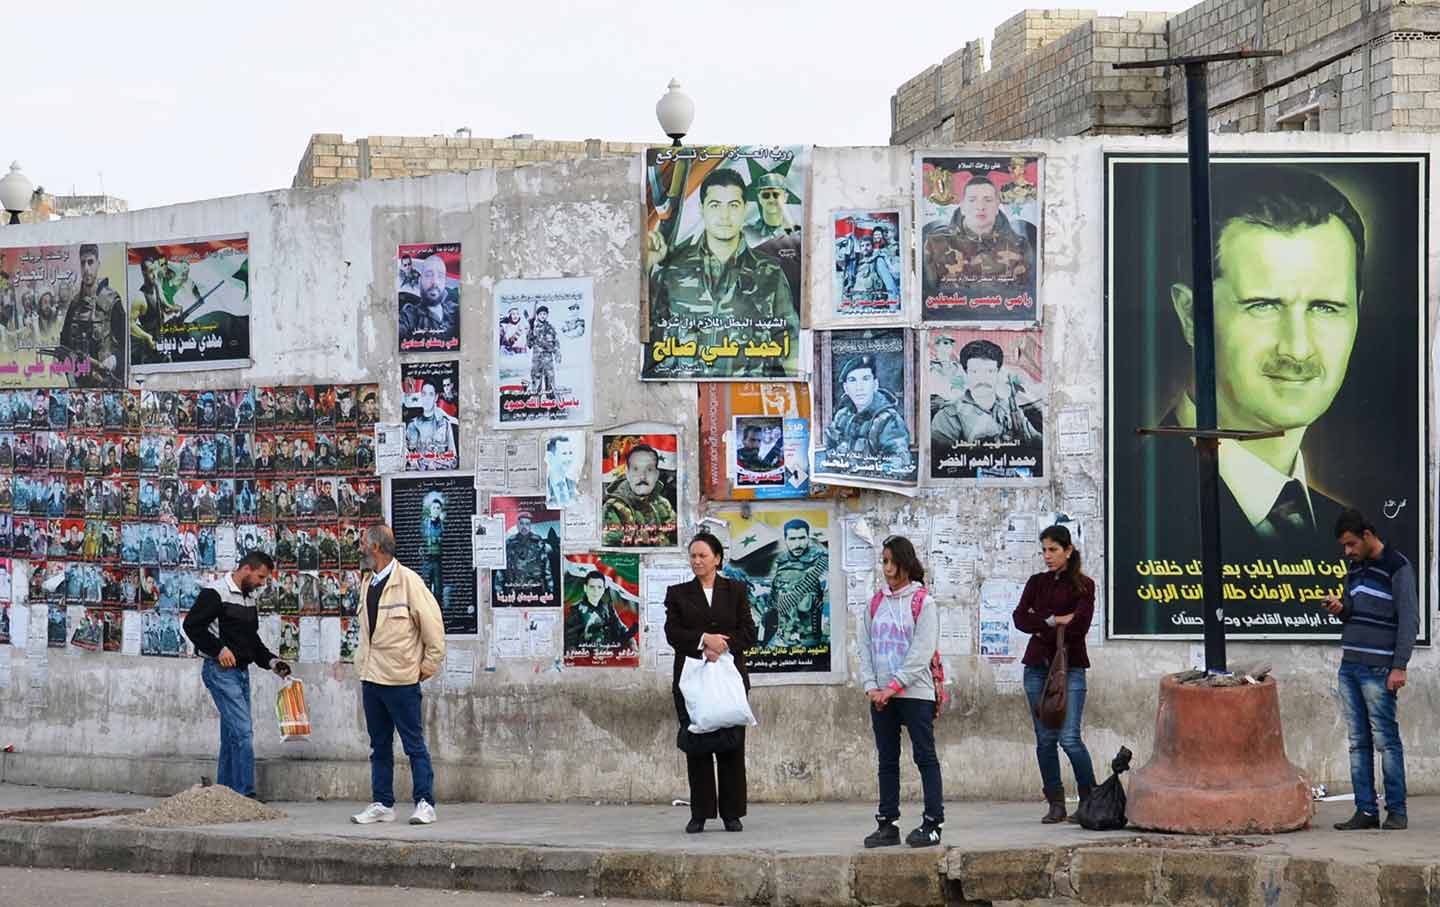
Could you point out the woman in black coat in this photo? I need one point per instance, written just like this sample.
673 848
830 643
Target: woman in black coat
705 618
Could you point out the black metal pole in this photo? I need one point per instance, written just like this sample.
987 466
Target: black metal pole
1207 449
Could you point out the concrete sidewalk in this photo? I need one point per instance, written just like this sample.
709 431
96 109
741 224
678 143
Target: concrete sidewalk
791 854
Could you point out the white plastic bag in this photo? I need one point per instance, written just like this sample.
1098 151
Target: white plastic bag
714 695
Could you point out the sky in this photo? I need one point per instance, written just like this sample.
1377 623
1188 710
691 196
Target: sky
163 102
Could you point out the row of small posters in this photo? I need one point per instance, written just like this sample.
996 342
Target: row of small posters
724 257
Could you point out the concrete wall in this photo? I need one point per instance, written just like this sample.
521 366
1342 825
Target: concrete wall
325 312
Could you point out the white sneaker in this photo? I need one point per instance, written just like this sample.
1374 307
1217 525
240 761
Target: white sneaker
375 812
424 814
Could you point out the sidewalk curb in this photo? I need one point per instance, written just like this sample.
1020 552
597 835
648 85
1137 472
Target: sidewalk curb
1094 874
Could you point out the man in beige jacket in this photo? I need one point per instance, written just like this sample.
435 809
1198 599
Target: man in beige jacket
402 642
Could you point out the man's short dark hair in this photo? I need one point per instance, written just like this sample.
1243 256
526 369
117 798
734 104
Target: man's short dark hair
89 248
1353 522
981 349
594 574
796 524
721 177
1278 197
542 308
554 442
638 448
257 559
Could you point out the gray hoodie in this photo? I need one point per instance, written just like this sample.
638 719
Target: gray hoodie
913 677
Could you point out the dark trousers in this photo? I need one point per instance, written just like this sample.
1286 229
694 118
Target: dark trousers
703 770
388 710
919 716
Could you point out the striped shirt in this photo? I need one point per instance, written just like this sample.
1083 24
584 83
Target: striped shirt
1380 611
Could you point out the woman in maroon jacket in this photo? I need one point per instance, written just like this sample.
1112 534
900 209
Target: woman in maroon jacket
1062 596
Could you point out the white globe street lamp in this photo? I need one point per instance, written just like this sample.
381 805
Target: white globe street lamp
676 112
15 192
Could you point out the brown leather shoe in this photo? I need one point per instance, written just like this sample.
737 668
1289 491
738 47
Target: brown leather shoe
1055 796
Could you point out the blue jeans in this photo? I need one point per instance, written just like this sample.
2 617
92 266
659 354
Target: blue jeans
230 688
919 716
1067 736
387 710
1370 716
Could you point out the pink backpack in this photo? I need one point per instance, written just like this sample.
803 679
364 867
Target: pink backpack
937 669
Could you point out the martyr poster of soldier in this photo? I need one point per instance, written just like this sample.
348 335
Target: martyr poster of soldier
723 258
544 372
189 304
781 552
987 404
427 281
866 408
1320 333
430 516
430 407
979 238
869 274
62 316
531 578
639 489
602 610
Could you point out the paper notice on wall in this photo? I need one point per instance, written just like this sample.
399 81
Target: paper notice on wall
522 466
1022 530
270 631
310 640
389 448
459 668
487 541
859 589
859 544
956 636
998 599
330 633
540 634
1009 676
1072 424
489 463
225 545
4 667
914 526
580 525
82 637
1196 656
507 633
130 634
658 578
20 624
39 634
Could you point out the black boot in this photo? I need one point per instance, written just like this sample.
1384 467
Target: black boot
1358 822
1055 796
1085 791
926 835
887 835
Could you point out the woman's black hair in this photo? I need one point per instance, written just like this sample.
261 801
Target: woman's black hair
711 542
1061 536
902 555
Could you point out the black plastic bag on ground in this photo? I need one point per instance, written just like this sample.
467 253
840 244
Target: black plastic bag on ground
1105 810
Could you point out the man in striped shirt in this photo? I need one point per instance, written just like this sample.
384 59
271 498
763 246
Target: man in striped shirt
1381 616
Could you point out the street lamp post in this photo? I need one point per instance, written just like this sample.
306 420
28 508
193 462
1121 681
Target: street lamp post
676 112
15 192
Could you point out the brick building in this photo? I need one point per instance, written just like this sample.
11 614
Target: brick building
1348 66
331 158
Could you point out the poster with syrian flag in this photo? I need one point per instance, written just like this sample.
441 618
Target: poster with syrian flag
602 610
189 304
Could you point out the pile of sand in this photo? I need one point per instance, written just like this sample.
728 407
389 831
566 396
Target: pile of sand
214 805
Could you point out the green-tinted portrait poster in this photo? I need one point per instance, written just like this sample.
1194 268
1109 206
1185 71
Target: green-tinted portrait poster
1320 334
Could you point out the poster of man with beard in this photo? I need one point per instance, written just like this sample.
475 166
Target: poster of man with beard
640 488
782 555
62 316
987 404
189 304
866 406
427 281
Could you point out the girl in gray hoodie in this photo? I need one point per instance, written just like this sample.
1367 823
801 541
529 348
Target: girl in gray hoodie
897 640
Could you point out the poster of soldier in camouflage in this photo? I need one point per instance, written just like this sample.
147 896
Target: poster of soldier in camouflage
430 407
430 516
427 282
639 479
531 578
781 552
866 389
544 373
62 316
189 304
602 610
869 273
986 391
980 230
723 259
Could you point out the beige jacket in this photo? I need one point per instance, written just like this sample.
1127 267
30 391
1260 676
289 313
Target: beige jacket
409 641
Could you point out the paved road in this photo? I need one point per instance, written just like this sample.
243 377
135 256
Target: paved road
48 887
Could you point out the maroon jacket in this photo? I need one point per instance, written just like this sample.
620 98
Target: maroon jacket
1048 594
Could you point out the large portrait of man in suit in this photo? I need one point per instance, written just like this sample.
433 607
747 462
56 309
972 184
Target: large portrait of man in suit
1319 320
